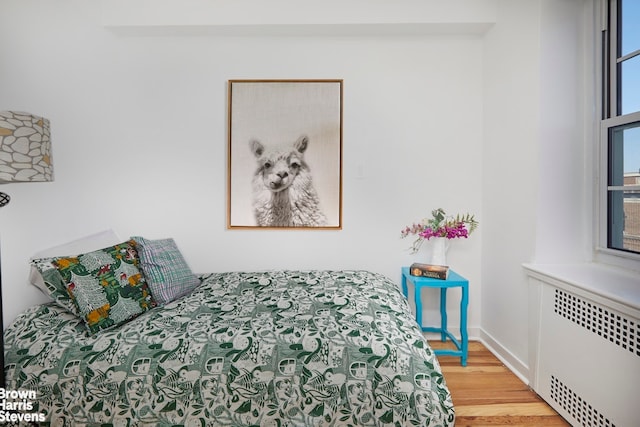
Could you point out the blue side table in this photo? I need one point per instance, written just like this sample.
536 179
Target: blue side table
454 280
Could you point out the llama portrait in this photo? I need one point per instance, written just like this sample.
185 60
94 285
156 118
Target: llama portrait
283 193
285 154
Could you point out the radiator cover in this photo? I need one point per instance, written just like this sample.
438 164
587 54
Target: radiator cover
584 354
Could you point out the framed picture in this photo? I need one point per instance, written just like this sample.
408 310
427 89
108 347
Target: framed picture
285 154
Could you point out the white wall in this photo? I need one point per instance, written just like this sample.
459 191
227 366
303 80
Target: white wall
140 139
510 162
534 159
467 105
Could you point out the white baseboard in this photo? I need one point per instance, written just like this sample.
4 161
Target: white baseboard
515 365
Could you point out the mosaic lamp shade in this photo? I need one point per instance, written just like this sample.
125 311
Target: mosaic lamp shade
25 149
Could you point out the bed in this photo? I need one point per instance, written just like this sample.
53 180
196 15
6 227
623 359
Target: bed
272 348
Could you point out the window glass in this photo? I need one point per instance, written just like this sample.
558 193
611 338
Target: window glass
632 150
630 89
623 193
630 35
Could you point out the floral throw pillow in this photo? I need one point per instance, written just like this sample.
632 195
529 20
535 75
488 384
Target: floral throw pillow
106 285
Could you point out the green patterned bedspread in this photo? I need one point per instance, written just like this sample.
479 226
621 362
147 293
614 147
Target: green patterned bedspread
278 348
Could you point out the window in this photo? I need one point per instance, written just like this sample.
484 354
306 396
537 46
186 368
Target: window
620 134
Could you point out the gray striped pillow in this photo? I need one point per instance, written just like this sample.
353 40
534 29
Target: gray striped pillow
167 273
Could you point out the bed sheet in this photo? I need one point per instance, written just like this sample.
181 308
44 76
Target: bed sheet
275 348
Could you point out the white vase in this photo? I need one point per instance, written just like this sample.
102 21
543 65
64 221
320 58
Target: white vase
439 247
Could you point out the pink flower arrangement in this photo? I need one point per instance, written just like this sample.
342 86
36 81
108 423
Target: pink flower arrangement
440 225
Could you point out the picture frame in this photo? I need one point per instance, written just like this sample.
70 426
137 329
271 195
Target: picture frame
285 154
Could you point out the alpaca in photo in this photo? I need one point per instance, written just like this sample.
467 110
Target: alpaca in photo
283 192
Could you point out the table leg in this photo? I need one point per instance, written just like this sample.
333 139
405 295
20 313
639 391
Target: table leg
464 302
418 300
405 292
443 313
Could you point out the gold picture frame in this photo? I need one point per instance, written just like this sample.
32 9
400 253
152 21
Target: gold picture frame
285 154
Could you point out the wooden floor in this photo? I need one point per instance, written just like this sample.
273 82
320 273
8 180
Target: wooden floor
487 393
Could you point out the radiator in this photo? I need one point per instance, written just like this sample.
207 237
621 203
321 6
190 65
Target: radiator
584 353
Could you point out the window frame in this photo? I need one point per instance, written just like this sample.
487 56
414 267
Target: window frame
610 119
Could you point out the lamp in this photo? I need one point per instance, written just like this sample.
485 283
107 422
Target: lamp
25 156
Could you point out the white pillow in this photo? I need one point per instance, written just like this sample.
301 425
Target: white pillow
88 243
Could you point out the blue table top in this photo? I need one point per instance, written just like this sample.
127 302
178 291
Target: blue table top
453 280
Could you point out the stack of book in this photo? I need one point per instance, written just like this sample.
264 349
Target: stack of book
429 270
